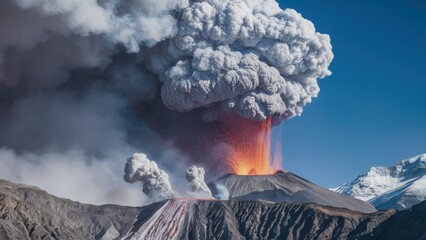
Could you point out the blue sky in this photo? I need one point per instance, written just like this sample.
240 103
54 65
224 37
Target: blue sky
372 110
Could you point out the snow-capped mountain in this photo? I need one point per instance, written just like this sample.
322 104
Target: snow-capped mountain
398 187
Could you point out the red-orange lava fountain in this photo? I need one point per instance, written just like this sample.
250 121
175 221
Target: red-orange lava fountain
251 147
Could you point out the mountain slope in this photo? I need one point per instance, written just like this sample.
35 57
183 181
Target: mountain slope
30 213
406 224
400 186
210 219
286 187
204 219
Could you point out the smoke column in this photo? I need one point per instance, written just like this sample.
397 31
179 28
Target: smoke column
196 183
155 181
108 78
245 58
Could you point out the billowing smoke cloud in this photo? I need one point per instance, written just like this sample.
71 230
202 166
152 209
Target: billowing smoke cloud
245 56
196 183
70 81
155 181
248 57
108 78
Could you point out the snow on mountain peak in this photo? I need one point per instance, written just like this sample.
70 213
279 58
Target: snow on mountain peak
411 166
399 186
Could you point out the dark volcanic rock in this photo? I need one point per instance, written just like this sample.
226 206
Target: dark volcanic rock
286 187
407 224
210 219
204 219
30 213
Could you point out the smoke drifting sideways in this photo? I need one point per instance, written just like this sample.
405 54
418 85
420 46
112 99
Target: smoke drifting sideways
156 183
70 82
85 83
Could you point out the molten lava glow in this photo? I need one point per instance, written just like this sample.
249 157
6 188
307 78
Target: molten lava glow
251 147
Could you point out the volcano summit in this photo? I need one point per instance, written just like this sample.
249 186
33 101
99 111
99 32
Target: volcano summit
285 187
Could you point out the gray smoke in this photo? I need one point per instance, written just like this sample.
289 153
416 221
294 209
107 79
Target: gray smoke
155 182
42 41
248 57
197 185
107 78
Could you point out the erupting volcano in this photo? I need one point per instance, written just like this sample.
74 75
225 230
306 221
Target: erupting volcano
251 147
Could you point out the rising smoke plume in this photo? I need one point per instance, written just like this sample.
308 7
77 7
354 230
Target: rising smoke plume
155 182
94 76
196 183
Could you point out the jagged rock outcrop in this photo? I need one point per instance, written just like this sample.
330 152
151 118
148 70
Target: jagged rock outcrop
286 187
30 213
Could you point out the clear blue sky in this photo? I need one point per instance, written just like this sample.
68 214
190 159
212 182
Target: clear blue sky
372 110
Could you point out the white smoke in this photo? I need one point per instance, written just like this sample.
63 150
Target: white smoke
155 181
222 192
72 174
131 23
197 185
43 40
246 56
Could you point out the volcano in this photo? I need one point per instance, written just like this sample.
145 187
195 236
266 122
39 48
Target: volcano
285 187
30 213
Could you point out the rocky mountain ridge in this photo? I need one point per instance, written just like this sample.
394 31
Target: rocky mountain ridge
399 187
27 212
30 213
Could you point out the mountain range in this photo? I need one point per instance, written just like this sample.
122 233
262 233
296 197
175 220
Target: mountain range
399 187
28 212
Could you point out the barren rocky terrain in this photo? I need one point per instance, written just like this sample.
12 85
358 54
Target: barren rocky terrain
286 187
30 213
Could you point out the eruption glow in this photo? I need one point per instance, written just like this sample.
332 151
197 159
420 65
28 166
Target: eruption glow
251 144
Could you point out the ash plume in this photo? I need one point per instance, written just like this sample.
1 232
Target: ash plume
108 78
196 183
247 57
155 181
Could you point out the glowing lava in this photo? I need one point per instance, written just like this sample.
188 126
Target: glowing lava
251 147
